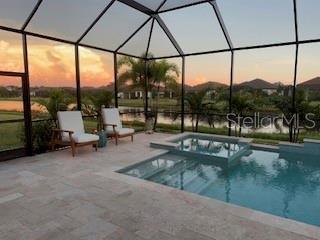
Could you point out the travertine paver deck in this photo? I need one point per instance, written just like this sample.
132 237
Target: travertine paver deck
55 196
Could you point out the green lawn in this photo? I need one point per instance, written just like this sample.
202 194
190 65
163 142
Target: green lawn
163 103
10 136
10 133
315 103
10 115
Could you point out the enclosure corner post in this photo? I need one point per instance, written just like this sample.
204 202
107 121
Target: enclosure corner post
182 93
26 98
146 105
230 90
78 84
115 64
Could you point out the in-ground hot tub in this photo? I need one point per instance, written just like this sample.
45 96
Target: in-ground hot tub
222 148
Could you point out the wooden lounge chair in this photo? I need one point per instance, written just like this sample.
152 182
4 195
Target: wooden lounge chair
71 132
113 126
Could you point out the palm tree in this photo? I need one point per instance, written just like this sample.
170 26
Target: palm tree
136 72
197 103
303 107
241 104
94 103
284 104
163 74
57 101
151 74
295 114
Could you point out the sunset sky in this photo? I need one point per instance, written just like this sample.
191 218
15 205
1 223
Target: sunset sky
195 29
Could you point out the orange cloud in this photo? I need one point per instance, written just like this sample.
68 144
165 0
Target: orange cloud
53 64
10 57
96 68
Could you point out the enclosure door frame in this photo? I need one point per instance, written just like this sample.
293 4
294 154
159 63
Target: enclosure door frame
27 149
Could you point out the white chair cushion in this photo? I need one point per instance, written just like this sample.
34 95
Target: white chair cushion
124 131
85 137
71 121
121 131
111 116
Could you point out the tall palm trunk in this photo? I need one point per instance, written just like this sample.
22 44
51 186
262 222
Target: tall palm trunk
156 108
192 122
290 132
144 101
297 135
197 122
144 98
240 125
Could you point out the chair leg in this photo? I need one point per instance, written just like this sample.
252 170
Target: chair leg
96 147
73 148
116 139
53 141
131 138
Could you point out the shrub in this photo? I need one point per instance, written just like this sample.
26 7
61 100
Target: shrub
41 135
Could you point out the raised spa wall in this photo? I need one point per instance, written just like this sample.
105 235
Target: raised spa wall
309 146
171 142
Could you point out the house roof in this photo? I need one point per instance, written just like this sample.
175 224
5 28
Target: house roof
257 84
208 85
312 84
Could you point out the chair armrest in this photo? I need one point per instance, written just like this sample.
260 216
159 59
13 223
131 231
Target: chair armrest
56 132
110 125
61 130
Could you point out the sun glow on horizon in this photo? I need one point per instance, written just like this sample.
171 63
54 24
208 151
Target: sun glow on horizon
52 64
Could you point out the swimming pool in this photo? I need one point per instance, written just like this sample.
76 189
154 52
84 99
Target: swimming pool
283 184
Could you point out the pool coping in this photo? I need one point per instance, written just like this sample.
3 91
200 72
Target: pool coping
285 224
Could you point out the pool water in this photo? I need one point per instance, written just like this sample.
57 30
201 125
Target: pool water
209 147
281 184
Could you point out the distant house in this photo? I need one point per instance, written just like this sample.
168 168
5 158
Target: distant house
260 84
138 93
13 88
311 85
311 88
210 86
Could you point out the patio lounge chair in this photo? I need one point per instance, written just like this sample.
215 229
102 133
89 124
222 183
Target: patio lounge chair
113 126
71 132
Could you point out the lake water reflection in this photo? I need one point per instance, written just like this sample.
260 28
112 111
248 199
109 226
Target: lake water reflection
134 113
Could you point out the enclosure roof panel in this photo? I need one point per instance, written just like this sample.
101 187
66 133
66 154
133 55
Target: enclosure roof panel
117 24
199 21
14 13
181 27
65 19
258 22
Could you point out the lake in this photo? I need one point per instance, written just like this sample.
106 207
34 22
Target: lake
17 106
134 113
